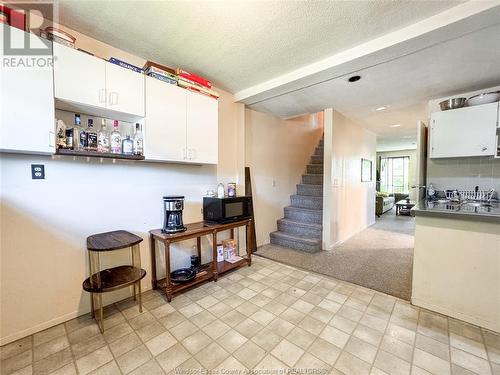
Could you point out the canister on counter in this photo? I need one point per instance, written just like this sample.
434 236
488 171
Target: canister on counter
231 189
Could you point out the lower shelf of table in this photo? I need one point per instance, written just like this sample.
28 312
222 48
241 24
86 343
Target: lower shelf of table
113 278
202 276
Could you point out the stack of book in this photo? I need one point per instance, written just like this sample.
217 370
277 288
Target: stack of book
195 83
125 65
161 72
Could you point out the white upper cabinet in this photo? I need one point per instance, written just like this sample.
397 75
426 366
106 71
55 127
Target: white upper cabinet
92 85
469 131
27 101
78 77
165 123
180 126
125 90
202 128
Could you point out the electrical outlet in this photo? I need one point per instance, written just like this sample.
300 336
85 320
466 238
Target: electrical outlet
37 171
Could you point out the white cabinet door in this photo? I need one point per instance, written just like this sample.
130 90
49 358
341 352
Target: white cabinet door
202 128
125 90
165 122
463 132
79 77
27 104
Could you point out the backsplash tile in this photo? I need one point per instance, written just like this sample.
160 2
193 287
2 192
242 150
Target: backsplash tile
464 173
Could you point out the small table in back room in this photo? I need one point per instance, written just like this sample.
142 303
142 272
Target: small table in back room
404 206
196 230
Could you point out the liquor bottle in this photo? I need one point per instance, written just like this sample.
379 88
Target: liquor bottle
81 134
128 146
103 138
61 134
91 136
115 139
138 140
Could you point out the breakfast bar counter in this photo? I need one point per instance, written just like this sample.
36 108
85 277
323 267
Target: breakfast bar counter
210 271
476 211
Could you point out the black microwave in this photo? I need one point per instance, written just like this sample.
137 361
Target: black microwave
226 210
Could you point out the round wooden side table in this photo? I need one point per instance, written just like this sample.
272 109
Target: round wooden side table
110 279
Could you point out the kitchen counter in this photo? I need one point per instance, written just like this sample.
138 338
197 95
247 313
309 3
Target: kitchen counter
455 261
466 210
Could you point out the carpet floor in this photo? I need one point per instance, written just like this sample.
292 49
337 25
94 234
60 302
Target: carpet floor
380 257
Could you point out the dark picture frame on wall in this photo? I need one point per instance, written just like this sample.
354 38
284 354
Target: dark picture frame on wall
366 170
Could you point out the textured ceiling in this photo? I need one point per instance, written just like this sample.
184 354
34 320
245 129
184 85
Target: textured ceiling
238 44
404 85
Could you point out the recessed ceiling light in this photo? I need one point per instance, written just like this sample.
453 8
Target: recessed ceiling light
395 126
380 108
354 78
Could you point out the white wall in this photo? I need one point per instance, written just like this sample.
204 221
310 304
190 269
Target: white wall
463 173
348 203
277 152
44 223
412 172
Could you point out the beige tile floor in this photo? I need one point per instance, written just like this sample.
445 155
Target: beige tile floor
266 317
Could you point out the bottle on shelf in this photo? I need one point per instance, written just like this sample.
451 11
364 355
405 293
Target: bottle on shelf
103 138
127 146
61 134
91 136
138 140
115 139
81 135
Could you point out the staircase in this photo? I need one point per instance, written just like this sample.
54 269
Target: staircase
301 227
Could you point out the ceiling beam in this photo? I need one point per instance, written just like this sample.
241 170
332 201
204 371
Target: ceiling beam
450 24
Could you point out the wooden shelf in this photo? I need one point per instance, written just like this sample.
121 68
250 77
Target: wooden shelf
94 154
205 274
113 279
225 266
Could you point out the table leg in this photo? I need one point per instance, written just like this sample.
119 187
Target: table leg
249 242
168 286
198 247
214 255
152 246
92 312
140 295
100 323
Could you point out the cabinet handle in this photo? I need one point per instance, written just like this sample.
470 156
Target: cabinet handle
52 139
484 149
113 98
102 96
184 154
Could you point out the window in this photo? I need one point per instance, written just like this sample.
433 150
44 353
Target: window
394 174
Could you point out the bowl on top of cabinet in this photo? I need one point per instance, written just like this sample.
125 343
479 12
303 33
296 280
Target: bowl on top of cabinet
484 98
452 103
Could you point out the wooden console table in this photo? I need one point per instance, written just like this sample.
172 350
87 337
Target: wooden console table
196 230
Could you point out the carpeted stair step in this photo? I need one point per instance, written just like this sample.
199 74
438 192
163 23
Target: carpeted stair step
296 228
310 189
311 245
304 215
309 202
314 169
315 179
317 159
319 151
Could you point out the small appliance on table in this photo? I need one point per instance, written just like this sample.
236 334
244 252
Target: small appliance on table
226 210
173 206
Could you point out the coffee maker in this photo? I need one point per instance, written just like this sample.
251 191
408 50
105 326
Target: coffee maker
173 206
